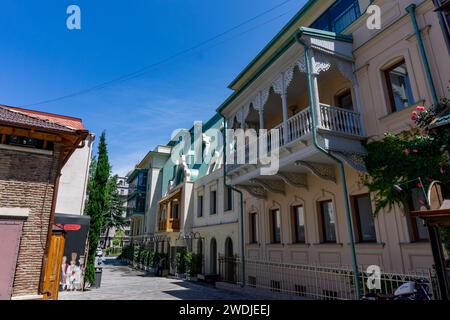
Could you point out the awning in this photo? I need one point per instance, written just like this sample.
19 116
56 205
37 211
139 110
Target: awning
435 218
170 196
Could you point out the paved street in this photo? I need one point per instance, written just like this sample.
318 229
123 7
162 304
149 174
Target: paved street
122 283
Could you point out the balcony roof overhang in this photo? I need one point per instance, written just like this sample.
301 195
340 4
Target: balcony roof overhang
280 39
171 196
329 42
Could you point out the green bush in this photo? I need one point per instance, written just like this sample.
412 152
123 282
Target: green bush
143 257
150 259
127 253
195 266
181 259
137 253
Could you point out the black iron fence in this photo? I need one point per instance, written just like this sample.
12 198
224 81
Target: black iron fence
229 269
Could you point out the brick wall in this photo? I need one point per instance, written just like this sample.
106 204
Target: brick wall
27 181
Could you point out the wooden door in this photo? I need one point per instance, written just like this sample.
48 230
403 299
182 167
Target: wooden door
10 232
53 268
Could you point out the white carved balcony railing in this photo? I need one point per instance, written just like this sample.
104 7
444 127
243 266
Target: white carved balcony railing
333 119
340 120
299 125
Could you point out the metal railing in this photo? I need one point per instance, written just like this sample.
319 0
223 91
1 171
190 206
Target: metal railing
229 269
321 282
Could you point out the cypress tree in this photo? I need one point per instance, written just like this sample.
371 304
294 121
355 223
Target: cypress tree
96 205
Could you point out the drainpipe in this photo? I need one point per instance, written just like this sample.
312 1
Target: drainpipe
411 9
313 102
241 196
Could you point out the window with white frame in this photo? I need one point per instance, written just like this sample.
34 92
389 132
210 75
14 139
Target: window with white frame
398 86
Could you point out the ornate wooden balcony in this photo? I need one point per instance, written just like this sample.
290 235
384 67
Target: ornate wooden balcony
171 225
332 120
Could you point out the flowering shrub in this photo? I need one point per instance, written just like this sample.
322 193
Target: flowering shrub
423 151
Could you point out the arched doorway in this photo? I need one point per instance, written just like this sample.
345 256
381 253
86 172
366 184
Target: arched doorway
230 261
213 256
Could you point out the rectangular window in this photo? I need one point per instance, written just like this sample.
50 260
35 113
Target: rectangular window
299 224
200 206
338 16
399 86
364 221
416 202
213 202
174 210
276 226
327 221
344 100
443 10
253 228
228 199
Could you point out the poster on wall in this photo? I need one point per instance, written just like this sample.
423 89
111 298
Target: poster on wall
73 261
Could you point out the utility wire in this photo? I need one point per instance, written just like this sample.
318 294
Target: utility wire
144 70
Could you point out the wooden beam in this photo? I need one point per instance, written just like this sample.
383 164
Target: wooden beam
30 134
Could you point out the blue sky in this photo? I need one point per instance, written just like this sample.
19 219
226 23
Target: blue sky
41 59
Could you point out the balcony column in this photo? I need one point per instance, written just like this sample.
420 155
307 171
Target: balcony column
168 214
320 62
347 69
285 116
280 86
261 118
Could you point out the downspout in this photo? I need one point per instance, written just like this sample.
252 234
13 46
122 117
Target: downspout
241 196
411 9
312 103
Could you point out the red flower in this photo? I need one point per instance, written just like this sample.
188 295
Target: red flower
414 116
406 152
415 151
420 108
419 185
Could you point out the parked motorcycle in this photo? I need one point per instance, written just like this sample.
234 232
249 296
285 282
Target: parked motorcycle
418 290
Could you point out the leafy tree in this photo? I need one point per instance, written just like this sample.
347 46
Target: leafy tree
423 151
118 237
97 203
113 214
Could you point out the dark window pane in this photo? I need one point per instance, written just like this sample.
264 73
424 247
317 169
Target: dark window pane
366 223
329 222
213 202
253 228
345 101
299 217
276 226
338 16
399 87
228 199
200 206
